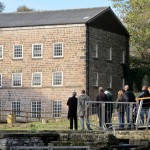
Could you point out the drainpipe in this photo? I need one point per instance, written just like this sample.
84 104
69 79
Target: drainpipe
87 60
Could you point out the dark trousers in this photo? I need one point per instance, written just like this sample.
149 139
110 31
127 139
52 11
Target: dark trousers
121 119
75 121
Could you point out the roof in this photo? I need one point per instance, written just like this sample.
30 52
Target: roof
57 17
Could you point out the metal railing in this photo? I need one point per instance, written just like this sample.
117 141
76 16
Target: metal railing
50 148
105 115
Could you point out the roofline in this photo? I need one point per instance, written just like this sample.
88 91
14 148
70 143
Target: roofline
107 9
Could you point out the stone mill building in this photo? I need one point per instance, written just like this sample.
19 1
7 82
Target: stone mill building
45 56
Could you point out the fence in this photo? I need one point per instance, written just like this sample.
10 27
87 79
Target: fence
50 148
105 115
23 116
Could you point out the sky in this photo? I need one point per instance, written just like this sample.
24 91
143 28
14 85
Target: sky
12 5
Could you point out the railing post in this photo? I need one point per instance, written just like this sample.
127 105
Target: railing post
148 118
103 113
131 114
27 117
138 114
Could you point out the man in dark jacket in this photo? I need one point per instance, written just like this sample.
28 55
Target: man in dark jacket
146 103
72 112
101 96
129 97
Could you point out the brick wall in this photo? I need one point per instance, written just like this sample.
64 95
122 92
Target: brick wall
72 64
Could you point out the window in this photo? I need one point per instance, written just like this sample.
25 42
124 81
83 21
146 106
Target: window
36 109
37 79
110 81
0 80
57 108
57 49
110 54
95 79
17 79
18 52
123 82
37 50
1 52
95 51
16 108
123 57
57 79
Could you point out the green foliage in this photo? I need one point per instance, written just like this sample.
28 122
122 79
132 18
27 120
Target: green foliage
2 7
24 9
135 15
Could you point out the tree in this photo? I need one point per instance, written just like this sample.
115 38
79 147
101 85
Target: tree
2 7
135 15
24 9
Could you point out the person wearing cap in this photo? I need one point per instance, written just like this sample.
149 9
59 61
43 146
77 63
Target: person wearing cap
72 111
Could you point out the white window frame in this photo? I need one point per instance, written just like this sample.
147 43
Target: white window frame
14 51
13 79
1 80
58 56
33 50
95 51
17 105
40 80
36 113
110 53
123 57
97 78
58 110
61 78
1 46
110 81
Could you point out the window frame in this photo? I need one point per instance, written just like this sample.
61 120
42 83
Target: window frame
40 81
2 52
123 57
110 53
13 79
60 56
57 111
16 105
97 79
14 51
110 81
123 82
36 113
1 77
61 78
96 51
33 51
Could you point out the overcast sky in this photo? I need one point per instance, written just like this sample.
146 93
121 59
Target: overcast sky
12 5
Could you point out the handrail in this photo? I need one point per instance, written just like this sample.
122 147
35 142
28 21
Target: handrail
143 98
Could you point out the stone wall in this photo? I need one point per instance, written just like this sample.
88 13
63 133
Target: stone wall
93 139
103 65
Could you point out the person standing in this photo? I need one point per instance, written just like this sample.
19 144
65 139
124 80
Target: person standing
121 108
72 111
101 96
146 103
130 97
109 107
82 107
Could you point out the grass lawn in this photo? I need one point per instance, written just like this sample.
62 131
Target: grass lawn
59 124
